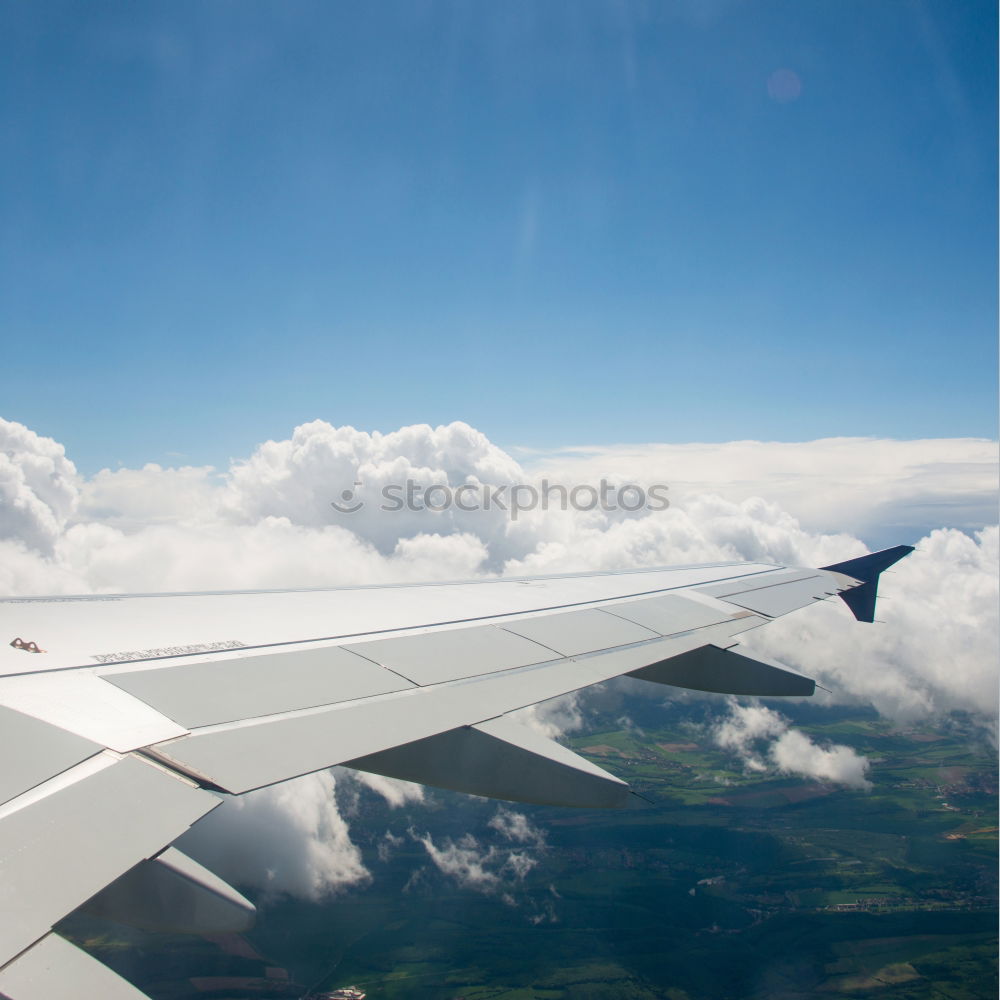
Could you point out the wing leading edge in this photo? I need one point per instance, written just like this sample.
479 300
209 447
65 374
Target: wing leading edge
149 709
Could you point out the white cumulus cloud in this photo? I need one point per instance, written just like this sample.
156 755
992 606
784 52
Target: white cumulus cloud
764 740
935 648
39 487
287 839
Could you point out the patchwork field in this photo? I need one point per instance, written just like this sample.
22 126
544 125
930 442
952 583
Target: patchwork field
722 885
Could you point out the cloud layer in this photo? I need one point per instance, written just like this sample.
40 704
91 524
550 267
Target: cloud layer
884 491
268 521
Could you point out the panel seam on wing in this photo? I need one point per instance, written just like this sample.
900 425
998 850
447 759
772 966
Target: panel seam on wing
442 686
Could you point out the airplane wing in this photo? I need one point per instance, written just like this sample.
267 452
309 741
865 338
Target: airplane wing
125 719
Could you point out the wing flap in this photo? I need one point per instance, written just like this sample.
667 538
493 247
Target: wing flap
434 657
83 703
259 752
172 892
63 841
33 751
245 687
759 581
668 614
56 968
781 595
576 632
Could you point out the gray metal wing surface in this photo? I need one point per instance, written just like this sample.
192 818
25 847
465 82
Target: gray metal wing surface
138 714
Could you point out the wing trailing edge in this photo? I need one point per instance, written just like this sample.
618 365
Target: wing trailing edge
173 893
55 968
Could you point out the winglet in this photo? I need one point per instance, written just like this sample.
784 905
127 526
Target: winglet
861 600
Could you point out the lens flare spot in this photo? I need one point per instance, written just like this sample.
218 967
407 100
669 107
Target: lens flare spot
784 86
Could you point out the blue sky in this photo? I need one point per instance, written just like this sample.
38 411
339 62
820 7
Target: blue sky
562 222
